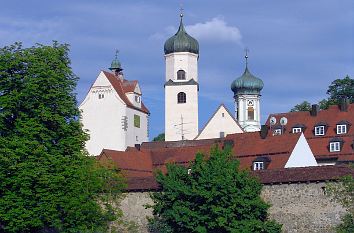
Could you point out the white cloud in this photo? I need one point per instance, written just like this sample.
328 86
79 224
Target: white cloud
215 30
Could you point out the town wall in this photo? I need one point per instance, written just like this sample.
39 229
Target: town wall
300 207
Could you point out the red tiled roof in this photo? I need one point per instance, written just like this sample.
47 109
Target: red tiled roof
129 86
246 147
319 144
277 176
118 85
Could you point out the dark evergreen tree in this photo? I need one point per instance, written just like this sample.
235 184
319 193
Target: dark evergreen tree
47 184
211 195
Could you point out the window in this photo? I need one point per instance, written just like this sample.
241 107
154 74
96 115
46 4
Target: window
137 121
258 166
296 130
136 138
100 96
341 129
277 132
334 146
222 114
319 130
137 99
222 134
181 98
181 75
250 113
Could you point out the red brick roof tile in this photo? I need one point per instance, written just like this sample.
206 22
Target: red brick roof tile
319 144
118 86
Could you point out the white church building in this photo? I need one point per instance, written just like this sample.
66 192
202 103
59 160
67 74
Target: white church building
181 95
113 113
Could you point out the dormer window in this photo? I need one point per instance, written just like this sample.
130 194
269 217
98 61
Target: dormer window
319 130
277 132
261 163
341 129
258 166
297 130
137 99
181 75
335 144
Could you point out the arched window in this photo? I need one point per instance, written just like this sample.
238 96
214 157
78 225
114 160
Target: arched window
181 75
250 113
181 98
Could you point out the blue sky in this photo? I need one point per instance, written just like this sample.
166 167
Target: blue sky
296 47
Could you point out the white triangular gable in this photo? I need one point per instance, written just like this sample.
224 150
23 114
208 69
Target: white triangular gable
220 124
301 156
137 89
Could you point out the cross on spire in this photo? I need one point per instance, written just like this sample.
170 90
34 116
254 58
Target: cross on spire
246 55
181 9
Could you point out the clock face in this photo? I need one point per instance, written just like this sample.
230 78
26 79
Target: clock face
250 102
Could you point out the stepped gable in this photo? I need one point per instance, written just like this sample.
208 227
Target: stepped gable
320 144
119 85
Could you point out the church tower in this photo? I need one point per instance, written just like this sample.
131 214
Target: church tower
181 86
247 95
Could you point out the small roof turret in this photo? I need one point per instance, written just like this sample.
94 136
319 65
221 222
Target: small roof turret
247 83
115 65
181 41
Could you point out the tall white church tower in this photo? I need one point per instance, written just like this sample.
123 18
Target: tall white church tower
247 95
181 87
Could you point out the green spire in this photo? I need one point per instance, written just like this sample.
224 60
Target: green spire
247 83
181 41
115 65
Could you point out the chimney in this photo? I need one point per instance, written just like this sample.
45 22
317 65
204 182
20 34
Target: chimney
264 131
314 110
137 146
343 104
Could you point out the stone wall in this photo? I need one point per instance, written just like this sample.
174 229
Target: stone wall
302 207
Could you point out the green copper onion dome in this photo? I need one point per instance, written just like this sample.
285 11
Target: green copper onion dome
181 42
247 83
115 65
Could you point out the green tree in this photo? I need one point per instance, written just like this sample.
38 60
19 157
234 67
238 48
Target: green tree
47 183
338 89
343 192
304 106
211 195
341 88
159 138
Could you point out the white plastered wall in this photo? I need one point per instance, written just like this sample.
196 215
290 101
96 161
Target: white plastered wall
221 121
181 61
102 117
301 156
242 118
174 111
136 135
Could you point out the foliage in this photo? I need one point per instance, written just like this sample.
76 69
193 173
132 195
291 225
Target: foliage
304 106
213 195
159 138
341 88
338 89
48 184
344 194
